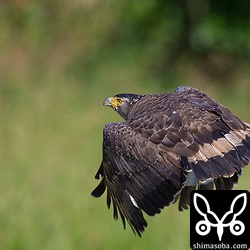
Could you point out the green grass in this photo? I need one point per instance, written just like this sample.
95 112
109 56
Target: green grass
51 135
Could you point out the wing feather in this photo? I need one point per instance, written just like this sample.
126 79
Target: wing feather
210 140
137 178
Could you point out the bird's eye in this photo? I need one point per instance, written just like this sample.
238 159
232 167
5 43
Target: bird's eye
119 101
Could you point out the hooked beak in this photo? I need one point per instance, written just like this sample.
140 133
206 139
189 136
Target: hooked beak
113 102
108 102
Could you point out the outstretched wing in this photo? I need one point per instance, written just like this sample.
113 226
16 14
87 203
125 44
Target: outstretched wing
211 142
170 140
138 175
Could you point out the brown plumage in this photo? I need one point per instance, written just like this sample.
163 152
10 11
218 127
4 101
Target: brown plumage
168 145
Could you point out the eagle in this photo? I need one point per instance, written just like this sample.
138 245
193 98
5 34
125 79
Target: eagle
168 145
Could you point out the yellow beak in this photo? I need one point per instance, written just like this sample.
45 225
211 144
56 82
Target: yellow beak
113 102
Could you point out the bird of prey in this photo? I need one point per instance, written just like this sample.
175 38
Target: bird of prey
168 145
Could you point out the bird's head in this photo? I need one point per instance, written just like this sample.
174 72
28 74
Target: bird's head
122 103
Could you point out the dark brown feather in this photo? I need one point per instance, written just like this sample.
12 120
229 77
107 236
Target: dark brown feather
168 145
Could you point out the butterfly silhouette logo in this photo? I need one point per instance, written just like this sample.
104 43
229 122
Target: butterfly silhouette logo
229 219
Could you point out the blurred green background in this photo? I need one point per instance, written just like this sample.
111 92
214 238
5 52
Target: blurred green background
59 60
